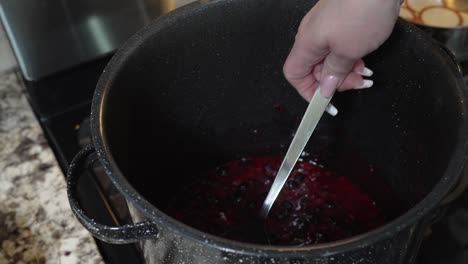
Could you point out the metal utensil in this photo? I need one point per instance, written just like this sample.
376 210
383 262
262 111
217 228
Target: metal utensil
317 106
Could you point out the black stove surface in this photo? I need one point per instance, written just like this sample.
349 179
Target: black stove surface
62 104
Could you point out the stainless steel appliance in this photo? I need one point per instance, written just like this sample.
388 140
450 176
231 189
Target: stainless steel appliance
61 47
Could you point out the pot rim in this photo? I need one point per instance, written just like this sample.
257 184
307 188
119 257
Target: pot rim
425 206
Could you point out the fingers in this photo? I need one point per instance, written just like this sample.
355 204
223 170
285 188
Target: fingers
354 80
331 109
298 69
303 81
305 54
360 68
335 69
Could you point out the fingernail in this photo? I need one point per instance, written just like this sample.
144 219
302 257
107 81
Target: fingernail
366 72
365 84
331 109
328 85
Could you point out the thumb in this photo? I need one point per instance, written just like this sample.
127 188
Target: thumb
335 70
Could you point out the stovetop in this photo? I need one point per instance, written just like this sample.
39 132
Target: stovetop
63 115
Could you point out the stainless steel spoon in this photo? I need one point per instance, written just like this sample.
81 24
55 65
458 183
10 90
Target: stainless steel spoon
317 106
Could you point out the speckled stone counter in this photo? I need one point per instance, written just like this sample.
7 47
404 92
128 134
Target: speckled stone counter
36 223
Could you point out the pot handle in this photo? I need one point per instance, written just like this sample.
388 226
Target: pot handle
110 234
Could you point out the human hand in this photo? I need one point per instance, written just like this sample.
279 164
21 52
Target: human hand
331 41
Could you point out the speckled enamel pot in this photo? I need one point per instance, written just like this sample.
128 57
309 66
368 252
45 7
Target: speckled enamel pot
192 86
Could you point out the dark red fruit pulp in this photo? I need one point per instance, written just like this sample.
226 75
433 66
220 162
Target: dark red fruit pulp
314 206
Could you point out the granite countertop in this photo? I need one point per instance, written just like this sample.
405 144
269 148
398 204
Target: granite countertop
36 222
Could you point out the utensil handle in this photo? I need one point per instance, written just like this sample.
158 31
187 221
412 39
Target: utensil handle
110 234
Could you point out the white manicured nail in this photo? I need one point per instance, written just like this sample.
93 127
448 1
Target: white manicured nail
331 109
365 84
366 72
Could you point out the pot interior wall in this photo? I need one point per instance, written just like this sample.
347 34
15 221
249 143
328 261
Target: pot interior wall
207 87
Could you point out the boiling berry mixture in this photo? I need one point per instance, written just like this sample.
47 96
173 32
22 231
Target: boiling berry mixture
315 205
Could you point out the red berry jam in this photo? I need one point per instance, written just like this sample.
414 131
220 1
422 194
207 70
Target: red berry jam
315 205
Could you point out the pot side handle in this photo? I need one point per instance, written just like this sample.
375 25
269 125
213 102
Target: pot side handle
110 234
